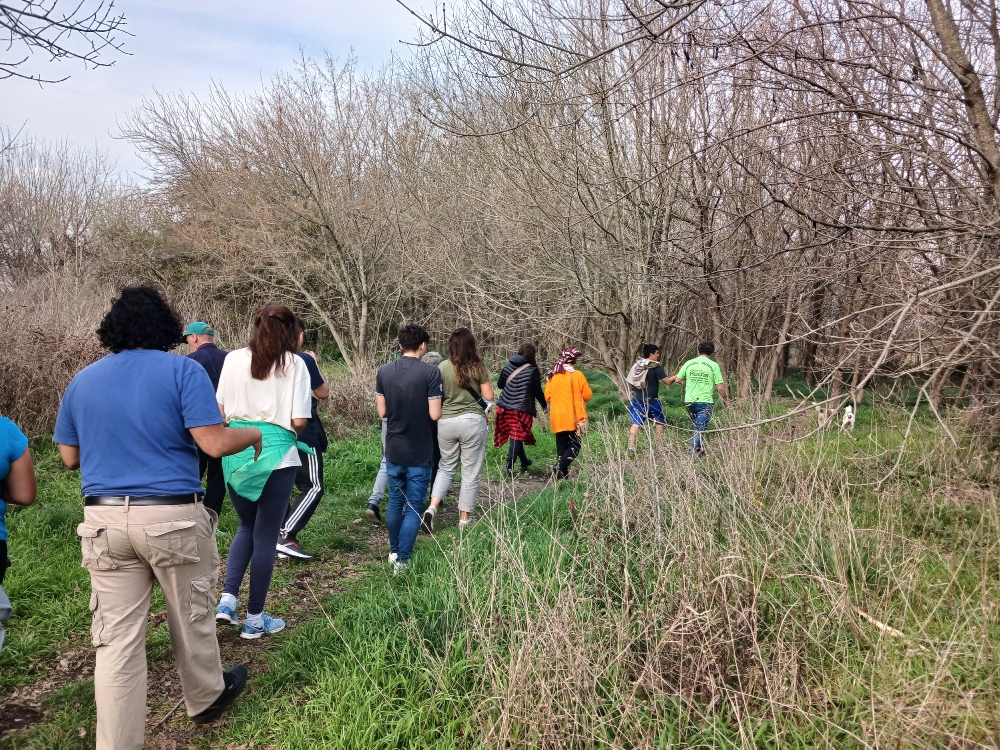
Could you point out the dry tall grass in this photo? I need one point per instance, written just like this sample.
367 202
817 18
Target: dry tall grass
48 328
350 409
769 595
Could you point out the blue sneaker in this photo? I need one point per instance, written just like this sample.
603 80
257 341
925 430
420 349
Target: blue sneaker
267 624
226 614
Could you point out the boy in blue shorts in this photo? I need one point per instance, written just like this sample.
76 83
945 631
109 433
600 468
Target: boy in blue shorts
645 404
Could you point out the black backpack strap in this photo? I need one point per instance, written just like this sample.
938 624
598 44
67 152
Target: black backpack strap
483 403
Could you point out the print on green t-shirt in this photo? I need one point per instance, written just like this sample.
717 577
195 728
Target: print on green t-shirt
457 400
700 376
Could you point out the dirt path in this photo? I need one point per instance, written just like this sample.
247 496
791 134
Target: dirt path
326 576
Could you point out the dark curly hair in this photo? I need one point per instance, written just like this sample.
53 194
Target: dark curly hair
140 319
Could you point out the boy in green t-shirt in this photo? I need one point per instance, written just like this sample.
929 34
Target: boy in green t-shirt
702 379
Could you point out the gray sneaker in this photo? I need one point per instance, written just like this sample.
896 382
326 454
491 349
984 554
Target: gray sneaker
427 522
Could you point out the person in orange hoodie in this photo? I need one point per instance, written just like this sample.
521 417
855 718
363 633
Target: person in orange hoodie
567 391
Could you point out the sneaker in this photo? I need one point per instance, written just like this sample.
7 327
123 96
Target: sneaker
268 625
463 523
372 513
427 522
226 614
525 464
291 548
393 556
235 681
398 567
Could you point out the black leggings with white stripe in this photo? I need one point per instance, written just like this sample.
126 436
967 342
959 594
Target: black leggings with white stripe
309 481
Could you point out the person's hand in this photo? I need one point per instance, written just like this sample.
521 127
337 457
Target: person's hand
258 445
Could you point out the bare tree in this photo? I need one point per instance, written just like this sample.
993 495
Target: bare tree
79 30
290 193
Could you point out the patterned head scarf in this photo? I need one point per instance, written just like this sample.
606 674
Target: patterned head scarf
568 356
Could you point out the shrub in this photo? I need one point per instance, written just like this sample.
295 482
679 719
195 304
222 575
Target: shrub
350 409
48 329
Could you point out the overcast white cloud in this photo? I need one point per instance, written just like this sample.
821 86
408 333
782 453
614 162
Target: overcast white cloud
185 45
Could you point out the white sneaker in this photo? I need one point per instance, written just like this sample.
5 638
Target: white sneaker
464 522
398 567
393 556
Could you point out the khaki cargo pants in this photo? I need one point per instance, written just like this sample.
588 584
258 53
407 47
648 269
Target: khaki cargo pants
125 549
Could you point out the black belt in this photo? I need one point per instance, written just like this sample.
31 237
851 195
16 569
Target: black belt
149 500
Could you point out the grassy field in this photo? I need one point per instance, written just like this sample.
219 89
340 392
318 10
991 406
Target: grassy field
796 589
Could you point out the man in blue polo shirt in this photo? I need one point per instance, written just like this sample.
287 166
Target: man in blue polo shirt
132 423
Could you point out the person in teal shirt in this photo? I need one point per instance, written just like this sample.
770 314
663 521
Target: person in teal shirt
17 485
702 379
17 478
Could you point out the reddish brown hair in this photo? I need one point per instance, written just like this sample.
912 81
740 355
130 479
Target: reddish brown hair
275 333
465 358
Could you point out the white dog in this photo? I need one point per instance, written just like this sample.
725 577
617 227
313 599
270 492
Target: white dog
848 423
826 415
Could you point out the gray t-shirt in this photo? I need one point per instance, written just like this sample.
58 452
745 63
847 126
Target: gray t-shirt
651 392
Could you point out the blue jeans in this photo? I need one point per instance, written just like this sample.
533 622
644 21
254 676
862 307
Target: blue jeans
700 415
407 493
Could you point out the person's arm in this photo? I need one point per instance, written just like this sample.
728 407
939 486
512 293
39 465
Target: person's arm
670 380
721 388
486 389
322 389
681 375
435 394
585 388
504 374
434 408
536 388
302 393
65 434
380 406
217 440
19 486
70 455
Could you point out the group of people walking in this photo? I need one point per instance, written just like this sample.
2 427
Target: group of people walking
434 420
144 427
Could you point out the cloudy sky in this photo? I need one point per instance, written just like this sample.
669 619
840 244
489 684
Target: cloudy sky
185 45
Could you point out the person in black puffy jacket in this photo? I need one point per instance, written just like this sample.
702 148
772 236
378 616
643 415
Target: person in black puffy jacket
521 384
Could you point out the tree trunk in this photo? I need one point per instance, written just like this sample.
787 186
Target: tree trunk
781 350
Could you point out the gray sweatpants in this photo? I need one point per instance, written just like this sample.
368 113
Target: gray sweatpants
461 438
382 479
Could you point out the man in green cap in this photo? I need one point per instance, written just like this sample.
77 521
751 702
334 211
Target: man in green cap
200 338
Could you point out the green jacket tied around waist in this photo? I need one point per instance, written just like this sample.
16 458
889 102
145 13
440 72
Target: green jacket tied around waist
247 477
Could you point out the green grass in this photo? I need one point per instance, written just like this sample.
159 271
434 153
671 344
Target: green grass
49 589
433 658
